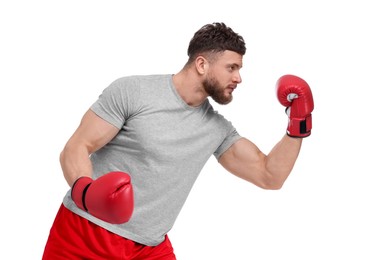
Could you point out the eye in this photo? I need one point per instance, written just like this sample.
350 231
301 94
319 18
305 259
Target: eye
231 68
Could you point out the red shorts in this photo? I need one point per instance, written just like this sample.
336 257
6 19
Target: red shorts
73 237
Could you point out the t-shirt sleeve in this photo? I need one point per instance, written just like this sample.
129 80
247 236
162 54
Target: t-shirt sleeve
230 139
117 102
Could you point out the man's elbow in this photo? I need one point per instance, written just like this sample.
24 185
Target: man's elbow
271 183
61 157
276 186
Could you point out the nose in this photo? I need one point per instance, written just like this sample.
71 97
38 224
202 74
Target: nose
237 78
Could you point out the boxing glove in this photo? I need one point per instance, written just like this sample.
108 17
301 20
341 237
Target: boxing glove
295 94
109 197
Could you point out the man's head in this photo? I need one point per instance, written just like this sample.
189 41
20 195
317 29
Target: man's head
216 51
215 38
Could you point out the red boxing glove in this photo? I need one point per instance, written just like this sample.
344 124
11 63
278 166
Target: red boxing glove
109 198
295 94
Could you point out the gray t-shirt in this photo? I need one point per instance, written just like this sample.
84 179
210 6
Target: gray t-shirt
163 144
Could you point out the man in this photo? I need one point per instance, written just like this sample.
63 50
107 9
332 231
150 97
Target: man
138 150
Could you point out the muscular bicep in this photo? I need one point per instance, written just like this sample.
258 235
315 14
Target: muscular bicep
246 161
93 132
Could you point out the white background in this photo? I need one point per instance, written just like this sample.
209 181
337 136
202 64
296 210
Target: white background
57 56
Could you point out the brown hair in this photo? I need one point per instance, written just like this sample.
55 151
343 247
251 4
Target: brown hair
215 38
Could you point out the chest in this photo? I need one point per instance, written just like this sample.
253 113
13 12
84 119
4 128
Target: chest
173 134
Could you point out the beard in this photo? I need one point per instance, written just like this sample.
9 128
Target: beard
216 91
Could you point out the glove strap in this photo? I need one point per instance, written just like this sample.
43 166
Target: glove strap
299 127
78 191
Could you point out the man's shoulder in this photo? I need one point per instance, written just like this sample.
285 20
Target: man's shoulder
146 77
139 81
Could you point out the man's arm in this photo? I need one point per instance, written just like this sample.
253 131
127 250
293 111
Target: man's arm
246 161
270 171
92 134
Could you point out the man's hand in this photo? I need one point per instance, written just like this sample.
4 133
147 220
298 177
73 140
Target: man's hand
109 198
295 94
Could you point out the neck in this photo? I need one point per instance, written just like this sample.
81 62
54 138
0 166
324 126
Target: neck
189 87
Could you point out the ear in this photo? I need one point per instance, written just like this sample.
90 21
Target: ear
201 65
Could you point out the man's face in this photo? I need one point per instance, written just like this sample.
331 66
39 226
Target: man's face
223 77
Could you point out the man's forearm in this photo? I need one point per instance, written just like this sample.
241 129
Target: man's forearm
75 163
281 159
